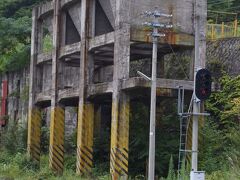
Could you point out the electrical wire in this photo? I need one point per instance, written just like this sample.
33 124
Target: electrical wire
179 63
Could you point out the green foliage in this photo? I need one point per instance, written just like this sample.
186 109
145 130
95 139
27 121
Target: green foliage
167 137
45 136
15 32
225 105
232 6
171 173
138 151
14 137
219 154
177 66
19 166
217 69
212 151
47 44
24 95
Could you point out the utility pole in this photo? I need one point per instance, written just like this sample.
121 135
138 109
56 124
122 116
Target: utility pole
196 104
196 101
155 25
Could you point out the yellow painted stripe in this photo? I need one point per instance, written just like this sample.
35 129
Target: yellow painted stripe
85 139
34 133
120 161
120 138
56 148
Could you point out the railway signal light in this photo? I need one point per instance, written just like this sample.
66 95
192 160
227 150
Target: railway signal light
203 84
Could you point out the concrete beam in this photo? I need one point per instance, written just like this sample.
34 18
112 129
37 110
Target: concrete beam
44 57
70 50
42 97
161 83
45 9
100 41
183 39
68 94
107 87
99 89
67 3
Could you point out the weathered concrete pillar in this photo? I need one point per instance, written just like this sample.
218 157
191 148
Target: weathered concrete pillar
120 137
86 108
34 115
85 138
34 133
120 100
56 148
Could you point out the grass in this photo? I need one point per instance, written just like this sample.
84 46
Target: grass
18 167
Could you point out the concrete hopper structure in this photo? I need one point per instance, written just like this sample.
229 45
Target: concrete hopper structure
81 55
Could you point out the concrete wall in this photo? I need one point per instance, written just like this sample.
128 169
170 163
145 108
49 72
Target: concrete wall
182 11
222 54
225 53
17 101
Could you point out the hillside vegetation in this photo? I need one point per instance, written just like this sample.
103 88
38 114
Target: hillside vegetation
219 150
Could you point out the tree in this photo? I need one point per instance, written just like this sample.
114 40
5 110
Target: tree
15 33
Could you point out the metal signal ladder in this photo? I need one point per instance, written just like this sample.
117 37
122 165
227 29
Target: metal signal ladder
185 119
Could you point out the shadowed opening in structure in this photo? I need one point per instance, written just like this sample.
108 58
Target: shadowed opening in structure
167 122
102 135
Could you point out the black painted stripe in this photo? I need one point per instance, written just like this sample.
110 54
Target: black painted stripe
84 153
117 157
56 160
90 151
123 155
89 165
59 152
55 157
125 150
120 167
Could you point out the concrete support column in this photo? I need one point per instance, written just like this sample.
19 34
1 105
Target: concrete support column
120 137
34 115
34 133
85 139
56 148
120 100
86 108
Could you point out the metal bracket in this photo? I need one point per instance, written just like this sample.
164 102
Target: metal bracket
181 105
188 151
194 114
144 76
180 99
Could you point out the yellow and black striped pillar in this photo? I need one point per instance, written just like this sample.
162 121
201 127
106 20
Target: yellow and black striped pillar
85 139
34 134
120 138
56 147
